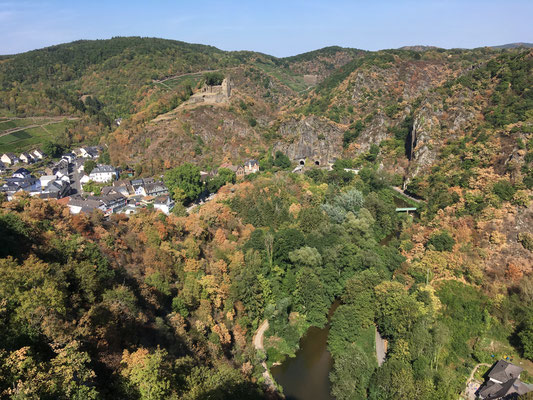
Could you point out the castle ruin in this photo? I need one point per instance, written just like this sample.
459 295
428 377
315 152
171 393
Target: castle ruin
212 94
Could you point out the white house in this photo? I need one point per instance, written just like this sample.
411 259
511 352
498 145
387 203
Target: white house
70 157
77 205
26 158
37 154
60 173
84 179
103 173
164 204
251 167
21 173
46 179
9 159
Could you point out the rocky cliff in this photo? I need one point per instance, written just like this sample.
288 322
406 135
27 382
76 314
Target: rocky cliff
313 139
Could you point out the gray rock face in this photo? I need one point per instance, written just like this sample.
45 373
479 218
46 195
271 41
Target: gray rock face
310 138
374 133
434 125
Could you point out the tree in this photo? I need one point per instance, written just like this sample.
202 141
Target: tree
307 256
148 372
441 241
526 337
504 190
88 166
396 310
213 78
346 326
186 177
281 160
392 381
52 149
350 374
310 297
224 176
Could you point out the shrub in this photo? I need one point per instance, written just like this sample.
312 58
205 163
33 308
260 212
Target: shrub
441 241
526 239
504 190
281 160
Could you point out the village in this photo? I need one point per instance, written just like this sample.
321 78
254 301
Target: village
100 188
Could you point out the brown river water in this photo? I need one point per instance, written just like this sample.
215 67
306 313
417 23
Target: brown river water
306 376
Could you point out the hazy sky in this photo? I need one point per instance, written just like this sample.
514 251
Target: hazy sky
275 27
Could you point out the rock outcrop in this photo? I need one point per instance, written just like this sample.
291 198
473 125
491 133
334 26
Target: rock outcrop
313 139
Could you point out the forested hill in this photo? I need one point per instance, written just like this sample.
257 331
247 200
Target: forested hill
112 70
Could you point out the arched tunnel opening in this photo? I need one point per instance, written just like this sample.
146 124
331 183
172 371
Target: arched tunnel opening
302 162
317 162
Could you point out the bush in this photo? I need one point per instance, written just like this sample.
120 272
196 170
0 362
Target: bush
352 134
504 190
281 160
441 241
526 239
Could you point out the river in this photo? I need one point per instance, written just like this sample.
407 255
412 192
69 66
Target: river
306 376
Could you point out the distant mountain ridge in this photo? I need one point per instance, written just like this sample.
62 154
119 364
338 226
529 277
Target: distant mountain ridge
514 46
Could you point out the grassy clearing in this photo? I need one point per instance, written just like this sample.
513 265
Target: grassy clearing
367 342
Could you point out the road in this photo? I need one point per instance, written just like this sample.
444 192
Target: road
202 200
75 175
380 348
258 344
399 190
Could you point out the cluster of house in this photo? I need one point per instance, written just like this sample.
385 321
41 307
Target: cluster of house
64 181
45 187
124 196
10 159
54 181
503 382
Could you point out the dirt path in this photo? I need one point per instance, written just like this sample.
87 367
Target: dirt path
258 344
471 386
21 128
259 334
192 74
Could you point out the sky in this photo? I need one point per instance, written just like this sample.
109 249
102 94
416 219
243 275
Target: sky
279 28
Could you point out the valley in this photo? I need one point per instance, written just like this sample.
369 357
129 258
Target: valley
320 199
